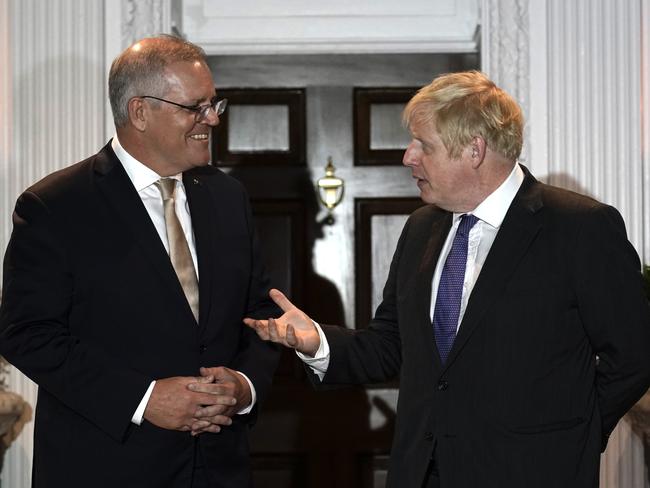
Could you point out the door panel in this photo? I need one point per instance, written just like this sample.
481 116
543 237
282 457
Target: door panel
334 438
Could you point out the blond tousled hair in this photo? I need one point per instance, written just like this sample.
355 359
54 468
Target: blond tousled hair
465 105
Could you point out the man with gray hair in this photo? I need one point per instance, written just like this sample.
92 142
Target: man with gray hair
125 283
513 312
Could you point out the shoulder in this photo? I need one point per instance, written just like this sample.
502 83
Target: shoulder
567 201
67 186
425 220
427 214
572 213
216 179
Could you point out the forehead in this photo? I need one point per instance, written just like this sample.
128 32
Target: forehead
192 78
424 130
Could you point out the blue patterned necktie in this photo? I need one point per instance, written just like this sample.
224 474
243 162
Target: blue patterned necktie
450 289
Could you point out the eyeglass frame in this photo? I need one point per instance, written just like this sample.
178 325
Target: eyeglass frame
201 111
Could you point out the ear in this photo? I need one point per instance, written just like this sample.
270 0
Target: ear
138 110
477 148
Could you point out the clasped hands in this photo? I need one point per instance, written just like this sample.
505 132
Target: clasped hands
198 404
206 403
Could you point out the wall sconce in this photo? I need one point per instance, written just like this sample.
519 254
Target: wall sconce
330 189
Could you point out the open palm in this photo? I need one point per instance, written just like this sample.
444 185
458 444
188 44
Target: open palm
293 329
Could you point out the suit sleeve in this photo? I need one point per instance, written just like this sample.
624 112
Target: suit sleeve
373 354
615 313
38 298
257 359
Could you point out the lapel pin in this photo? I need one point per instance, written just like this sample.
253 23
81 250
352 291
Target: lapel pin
195 181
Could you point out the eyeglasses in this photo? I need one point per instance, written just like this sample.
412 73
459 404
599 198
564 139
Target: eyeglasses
202 111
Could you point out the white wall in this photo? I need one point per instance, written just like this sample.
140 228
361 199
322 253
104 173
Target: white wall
52 114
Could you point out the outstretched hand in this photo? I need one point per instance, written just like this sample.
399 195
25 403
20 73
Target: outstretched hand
293 329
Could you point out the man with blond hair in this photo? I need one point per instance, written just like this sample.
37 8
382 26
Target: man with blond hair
513 312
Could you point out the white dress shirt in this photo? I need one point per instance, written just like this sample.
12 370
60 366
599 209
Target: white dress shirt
490 213
144 180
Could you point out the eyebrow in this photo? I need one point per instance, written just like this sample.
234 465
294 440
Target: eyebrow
422 141
197 102
213 97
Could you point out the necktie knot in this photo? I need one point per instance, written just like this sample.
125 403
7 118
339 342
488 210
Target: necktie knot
467 221
167 187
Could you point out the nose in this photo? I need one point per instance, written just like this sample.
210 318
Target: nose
410 155
211 118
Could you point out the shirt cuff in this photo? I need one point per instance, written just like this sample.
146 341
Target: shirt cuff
246 410
321 360
139 412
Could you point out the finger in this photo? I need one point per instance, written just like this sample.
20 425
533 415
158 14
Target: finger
204 378
208 399
212 428
273 332
223 374
255 323
220 389
200 424
222 420
280 300
211 410
291 338
209 372
261 327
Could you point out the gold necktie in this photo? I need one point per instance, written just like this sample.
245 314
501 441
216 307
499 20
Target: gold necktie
179 251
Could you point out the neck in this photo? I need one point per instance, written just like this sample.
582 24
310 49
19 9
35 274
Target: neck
136 148
490 175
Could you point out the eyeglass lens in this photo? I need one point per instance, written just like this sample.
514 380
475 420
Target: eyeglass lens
219 108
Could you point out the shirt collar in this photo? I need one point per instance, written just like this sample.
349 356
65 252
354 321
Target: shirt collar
140 175
493 209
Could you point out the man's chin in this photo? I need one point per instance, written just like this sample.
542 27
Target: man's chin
200 162
426 197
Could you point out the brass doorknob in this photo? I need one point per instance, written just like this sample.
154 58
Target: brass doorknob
330 189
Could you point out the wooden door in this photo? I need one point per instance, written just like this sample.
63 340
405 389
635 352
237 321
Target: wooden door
276 140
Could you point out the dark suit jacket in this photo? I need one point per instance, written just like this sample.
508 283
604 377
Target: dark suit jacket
522 400
93 312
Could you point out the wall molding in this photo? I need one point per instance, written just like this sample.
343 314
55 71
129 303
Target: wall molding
505 39
594 104
335 26
576 68
645 127
53 91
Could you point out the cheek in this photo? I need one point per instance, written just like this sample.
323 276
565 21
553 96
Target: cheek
429 166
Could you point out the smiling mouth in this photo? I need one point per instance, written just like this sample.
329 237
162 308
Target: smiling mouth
199 137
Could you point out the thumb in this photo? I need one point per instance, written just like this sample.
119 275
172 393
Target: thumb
281 300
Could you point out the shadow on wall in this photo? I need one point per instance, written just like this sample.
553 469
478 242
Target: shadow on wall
306 437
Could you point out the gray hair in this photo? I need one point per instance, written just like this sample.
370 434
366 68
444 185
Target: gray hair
140 69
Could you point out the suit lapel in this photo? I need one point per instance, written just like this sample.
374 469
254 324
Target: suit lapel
517 232
203 223
115 185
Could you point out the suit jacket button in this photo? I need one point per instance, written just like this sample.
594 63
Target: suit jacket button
428 436
442 385
202 348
